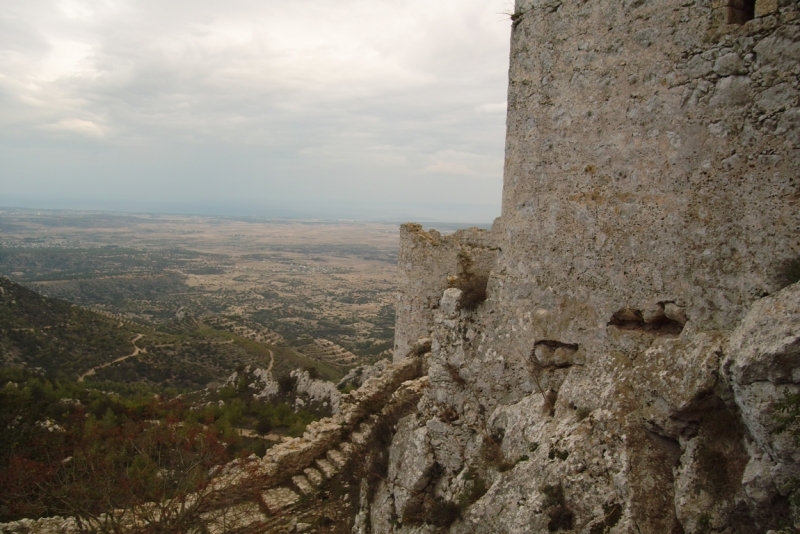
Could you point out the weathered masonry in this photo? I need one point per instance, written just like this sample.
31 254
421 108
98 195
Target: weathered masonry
642 315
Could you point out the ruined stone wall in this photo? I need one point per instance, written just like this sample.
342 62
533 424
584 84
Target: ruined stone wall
426 261
641 320
652 156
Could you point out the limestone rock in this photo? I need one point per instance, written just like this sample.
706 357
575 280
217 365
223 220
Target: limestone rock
358 375
319 391
762 366
622 372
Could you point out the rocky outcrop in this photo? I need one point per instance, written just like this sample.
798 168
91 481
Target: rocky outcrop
256 378
316 391
265 383
762 366
621 371
678 439
358 375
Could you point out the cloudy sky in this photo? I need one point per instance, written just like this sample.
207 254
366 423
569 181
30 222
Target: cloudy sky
331 108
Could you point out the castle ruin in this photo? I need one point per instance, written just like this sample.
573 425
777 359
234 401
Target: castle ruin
609 357
622 373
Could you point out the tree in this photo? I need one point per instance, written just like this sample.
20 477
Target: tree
93 467
263 426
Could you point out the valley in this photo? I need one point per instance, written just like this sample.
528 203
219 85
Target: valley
324 290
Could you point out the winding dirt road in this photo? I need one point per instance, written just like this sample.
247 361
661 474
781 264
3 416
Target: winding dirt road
136 351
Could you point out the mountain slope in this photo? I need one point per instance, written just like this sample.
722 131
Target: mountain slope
69 341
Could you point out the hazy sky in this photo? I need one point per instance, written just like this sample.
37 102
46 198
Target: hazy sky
339 108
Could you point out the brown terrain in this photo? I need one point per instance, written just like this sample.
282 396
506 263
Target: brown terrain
324 288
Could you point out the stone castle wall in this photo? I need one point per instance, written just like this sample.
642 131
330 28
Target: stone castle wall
426 261
642 262
652 156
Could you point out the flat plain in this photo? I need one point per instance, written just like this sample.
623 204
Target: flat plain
323 289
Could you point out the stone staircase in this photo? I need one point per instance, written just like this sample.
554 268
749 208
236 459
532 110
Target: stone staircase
306 483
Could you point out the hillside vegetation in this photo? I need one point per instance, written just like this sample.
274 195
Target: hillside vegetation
98 413
68 341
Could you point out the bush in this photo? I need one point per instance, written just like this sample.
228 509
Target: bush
346 388
443 513
431 511
264 426
286 384
788 415
474 491
473 290
472 286
560 517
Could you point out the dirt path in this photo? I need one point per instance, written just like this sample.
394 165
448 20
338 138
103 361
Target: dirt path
271 361
136 351
247 433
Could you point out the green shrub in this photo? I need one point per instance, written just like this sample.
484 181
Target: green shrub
475 489
347 388
264 426
787 415
286 384
703 523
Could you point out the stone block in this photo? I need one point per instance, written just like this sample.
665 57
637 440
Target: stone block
766 7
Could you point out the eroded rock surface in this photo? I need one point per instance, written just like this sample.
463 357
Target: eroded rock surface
639 321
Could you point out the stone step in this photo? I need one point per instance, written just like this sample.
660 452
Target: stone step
314 476
361 436
303 484
358 439
327 468
276 499
232 518
347 449
337 458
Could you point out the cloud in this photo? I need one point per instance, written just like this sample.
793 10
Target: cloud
325 94
452 162
447 167
496 107
77 126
